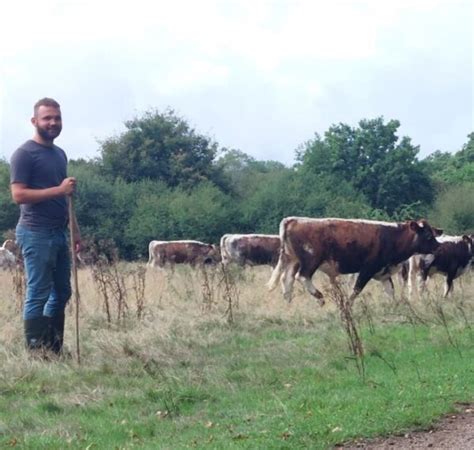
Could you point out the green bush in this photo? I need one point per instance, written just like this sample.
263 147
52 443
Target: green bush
454 209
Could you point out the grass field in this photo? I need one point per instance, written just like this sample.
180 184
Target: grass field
187 362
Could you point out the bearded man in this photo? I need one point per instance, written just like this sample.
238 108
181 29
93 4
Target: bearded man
40 185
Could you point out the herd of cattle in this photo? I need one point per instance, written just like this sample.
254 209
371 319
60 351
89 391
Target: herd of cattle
368 249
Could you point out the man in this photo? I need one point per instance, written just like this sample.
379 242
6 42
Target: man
40 185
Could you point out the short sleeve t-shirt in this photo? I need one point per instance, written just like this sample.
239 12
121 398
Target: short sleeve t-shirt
40 167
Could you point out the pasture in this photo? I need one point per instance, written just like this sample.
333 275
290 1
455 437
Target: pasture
215 361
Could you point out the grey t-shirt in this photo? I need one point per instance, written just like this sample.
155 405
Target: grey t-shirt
40 167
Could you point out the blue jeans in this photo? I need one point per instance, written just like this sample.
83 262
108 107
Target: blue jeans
48 270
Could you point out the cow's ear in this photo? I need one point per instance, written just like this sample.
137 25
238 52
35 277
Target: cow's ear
437 231
414 225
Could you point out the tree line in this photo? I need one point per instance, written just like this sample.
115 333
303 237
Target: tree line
162 179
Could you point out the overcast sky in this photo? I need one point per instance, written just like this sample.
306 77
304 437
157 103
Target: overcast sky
259 76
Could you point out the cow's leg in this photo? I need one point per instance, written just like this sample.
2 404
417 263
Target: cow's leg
412 276
421 279
150 260
363 278
288 278
307 283
278 272
305 276
448 289
388 287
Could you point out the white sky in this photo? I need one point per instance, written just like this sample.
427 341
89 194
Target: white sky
259 76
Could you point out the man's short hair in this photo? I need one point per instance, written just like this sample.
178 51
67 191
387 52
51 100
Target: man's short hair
45 102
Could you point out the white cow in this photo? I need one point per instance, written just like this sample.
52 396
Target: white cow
7 255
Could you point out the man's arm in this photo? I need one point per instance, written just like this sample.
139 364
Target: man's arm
21 193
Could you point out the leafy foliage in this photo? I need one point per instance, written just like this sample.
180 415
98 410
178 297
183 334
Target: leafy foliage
454 209
9 211
165 214
161 179
160 147
448 169
372 160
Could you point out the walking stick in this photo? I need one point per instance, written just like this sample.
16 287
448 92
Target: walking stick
72 233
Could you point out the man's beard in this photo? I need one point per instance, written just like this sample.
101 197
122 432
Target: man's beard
48 135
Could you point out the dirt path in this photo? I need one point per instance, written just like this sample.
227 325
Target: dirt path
454 431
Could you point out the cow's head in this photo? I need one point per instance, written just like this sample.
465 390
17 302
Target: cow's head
425 240
213 255
469 240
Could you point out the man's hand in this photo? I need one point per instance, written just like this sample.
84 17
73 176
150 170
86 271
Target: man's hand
68 185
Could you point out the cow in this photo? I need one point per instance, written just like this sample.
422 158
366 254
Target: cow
342 246
7 255
386 277
250 249
193 253
452 258
402 271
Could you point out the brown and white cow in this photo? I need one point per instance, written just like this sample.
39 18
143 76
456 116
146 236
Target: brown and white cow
250 249
194 253
452 258
342 246
7 255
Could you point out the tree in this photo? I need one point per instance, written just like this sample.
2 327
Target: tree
454 209
373 160
449 169
103 207
202 213
9 210
243 173
160 147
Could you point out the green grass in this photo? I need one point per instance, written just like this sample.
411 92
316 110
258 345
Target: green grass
278 377
274 387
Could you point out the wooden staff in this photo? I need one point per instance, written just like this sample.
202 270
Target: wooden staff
72 232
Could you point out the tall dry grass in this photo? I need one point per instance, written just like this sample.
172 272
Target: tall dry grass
158 316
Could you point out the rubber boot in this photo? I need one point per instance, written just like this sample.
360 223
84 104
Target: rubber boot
57 333
37 335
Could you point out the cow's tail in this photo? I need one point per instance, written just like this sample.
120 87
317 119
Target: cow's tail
225 257
150 254
285 255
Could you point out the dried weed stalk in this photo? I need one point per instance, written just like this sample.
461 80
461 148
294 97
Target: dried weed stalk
349 324
19 285
138 276
436 304
207 289
109 278
230 292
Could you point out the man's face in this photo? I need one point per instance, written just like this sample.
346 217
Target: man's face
48 122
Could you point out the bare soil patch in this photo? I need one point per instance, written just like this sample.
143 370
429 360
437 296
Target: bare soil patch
453 431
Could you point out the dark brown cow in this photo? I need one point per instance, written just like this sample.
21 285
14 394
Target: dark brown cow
193 253
251 249
342 246
452 258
